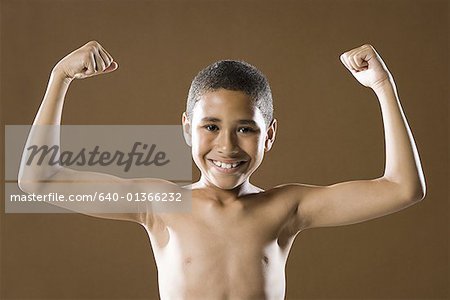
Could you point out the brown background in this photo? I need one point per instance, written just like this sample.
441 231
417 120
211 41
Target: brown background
330 130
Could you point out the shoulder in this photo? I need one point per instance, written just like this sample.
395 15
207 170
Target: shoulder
282 200
293 192
293 197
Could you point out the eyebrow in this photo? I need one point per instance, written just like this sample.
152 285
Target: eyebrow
216 120
210 119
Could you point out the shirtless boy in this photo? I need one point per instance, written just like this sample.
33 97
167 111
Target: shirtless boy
235 242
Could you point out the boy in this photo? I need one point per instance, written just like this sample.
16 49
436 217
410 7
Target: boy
235 241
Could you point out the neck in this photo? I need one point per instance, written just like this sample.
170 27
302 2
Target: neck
243 189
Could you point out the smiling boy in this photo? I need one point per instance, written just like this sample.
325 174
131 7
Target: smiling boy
235 242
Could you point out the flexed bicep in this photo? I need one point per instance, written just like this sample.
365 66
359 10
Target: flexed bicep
351 202
102 195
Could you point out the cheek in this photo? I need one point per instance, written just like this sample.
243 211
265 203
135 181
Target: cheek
200 142
253 145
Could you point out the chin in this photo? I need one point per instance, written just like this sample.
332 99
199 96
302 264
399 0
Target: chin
226 185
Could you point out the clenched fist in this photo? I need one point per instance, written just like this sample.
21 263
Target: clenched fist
89 60
366 66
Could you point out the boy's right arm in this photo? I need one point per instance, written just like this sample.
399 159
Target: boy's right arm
89 60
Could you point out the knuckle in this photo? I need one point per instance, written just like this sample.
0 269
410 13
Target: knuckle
89 49
92 46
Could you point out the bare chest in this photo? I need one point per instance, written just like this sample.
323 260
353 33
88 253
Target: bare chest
226 250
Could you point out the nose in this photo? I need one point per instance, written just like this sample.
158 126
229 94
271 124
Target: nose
227 143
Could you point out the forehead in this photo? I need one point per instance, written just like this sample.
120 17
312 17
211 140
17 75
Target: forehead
226 105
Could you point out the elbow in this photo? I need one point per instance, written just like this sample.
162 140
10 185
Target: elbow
26 186
419 196
420 189
32 185
409 192
25 181
416 194
32 181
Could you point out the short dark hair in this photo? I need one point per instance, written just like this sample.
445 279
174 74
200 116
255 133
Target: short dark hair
236 76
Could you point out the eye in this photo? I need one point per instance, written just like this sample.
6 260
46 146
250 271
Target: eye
246 130
211 127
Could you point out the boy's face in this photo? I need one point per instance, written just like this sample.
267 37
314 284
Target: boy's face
228 136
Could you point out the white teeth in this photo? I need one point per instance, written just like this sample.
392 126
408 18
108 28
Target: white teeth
225 165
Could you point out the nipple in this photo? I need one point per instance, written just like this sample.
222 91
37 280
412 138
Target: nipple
188 260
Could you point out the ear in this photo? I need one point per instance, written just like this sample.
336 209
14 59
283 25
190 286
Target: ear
270 136
187 131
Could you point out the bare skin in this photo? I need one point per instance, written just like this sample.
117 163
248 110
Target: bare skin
235 242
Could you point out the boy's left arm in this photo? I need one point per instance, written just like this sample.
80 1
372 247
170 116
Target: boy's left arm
403 182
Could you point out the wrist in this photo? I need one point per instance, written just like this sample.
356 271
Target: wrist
383 85
386 92
60 76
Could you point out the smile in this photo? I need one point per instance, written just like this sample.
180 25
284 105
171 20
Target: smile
231 166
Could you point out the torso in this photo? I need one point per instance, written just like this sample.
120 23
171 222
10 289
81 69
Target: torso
233 250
